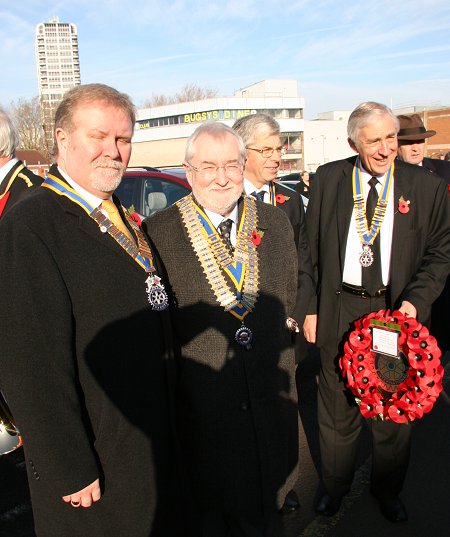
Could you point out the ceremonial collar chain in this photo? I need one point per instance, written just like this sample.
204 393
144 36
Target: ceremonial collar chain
141 254
366 235
242 267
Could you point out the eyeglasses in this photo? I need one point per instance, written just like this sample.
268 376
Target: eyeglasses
208 172
268 151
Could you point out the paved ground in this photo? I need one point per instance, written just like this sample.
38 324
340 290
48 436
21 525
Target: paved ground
426 492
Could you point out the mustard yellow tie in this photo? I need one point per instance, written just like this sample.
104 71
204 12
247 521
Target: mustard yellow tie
116 219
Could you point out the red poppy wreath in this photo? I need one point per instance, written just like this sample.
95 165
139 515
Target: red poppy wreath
399 388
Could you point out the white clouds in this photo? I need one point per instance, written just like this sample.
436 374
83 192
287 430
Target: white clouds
341 53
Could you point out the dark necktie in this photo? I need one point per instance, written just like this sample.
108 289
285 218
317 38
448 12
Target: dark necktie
258 195
371 276
225 232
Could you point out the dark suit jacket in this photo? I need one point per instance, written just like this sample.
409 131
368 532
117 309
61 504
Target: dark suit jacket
20 184
83 368
420 257
295 211
237 407
439 167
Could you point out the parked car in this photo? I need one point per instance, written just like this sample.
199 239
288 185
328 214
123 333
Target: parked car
148 189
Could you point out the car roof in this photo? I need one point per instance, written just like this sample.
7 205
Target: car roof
147 171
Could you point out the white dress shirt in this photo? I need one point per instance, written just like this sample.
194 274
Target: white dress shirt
249 188
216 220
352 267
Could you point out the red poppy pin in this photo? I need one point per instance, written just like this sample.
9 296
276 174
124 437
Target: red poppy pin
281 198
403 205
257 236
135 216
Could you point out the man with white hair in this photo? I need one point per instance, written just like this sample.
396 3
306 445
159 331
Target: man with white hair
15 177
232 269
380 239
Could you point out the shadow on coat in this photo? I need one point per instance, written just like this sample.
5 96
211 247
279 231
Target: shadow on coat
237 431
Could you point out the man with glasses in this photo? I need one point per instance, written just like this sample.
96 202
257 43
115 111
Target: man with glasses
261 135
231 264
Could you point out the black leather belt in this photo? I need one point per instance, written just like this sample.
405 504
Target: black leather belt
361 292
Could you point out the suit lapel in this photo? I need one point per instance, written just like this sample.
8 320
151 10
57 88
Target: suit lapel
344 209
401 221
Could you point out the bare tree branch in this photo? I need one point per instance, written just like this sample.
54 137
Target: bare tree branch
189 92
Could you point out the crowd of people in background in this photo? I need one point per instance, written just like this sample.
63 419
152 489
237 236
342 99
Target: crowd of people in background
150 367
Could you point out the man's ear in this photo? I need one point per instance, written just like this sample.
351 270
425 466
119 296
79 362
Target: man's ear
188 171
61 140
351 143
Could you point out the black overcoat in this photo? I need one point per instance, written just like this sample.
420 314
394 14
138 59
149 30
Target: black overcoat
84 368
237 408
295 211
24 179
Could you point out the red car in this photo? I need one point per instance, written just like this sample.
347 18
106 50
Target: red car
149 190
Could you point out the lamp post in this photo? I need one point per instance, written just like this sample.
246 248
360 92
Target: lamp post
323 147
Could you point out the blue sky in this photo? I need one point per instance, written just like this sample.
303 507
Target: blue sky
341 53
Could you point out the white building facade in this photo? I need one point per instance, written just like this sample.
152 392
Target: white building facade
161 132
325 139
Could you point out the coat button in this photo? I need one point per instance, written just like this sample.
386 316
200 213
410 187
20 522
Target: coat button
337 292
244 406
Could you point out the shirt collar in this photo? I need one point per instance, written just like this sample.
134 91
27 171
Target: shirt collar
216 218
93 201
249 187
6 168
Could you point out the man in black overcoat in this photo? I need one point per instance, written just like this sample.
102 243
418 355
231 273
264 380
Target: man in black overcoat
232 267
412 135
84 351
15 177
261 135
411 264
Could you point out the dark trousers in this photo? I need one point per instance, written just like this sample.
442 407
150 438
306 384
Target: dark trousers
218 524
340 420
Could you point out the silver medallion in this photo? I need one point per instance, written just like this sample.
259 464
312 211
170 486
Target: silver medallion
244 336
366 256
157 295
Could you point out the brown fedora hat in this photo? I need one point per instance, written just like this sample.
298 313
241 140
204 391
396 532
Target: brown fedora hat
411 128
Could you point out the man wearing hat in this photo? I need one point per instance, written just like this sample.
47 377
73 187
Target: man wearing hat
411 146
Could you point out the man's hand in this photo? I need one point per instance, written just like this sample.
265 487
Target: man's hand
408 309
86 496
309 328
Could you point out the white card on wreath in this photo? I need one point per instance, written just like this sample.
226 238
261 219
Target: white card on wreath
385 341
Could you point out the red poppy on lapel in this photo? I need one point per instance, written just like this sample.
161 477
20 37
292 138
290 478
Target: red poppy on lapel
136 218
403 205
134 215
257 236
281 198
